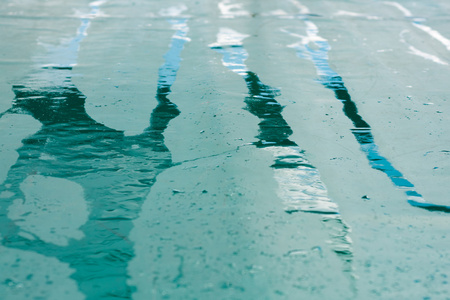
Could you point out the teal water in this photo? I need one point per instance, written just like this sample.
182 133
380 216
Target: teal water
190 151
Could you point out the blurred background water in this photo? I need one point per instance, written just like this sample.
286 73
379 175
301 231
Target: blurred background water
224 149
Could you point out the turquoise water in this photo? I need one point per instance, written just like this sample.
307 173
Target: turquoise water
222 150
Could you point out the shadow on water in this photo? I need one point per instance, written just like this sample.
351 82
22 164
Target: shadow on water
115 171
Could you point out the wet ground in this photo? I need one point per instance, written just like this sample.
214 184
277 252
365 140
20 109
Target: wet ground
224 149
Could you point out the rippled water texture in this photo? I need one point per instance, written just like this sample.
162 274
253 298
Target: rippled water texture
230 149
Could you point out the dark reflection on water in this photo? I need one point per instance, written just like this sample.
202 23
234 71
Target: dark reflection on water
115 171
273 129
300 185
364 136
349 108
104 163
315 48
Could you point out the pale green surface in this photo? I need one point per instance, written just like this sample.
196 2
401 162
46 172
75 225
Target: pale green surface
235 241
